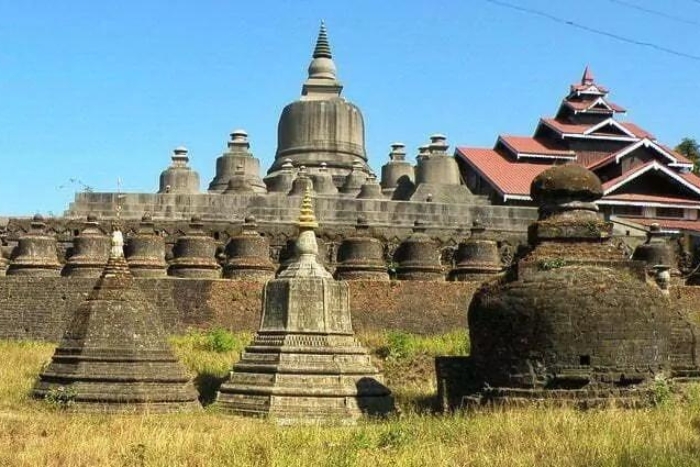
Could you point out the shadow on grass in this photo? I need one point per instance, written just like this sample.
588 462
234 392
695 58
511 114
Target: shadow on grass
207 385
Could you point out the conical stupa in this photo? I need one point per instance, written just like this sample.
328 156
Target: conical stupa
114 356
305 365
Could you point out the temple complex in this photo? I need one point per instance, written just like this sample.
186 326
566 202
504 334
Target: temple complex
114 356
304 364
644 181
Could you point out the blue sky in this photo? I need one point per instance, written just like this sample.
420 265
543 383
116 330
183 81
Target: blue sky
91 91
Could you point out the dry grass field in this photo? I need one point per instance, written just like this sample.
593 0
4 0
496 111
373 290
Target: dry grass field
40 433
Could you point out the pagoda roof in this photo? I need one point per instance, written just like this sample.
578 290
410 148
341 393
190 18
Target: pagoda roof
668 225
688 180
509 177
579 106
649 200
526 146
628 130
675 159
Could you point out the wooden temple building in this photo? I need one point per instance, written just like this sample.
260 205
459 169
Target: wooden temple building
644 181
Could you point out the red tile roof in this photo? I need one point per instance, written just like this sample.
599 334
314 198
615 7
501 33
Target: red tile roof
507 176
635 197
608 159
689 177
586 104
579 129
529 145
668 224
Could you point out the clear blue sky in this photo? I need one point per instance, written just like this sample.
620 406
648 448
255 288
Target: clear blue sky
93 90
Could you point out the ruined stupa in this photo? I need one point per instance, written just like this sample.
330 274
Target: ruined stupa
305 365
114 356
574 321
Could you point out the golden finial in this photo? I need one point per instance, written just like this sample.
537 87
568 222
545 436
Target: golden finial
307 218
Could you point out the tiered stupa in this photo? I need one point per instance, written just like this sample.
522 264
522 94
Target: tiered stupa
194 254
114 356
248 254
477 257
237 162
90 251
305 365
361 256
575 322
321 126
145 251
418 257
36 254
179 178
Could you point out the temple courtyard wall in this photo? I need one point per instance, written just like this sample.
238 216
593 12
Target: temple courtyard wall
38 308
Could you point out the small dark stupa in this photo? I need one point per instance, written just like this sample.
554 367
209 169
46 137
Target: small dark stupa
114 356
145 251
418 257
195 254
305 365
361 256
36 254
90 251
574 322
249 255
477 257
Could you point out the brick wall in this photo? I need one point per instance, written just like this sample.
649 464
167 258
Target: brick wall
37 308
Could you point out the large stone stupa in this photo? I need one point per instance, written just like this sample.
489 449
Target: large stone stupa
114 356
321 127
305 364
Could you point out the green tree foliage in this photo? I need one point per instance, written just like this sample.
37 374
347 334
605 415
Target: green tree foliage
690 148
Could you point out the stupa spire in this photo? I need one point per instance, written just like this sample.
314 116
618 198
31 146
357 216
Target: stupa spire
117 265
307 217
587 78
323 48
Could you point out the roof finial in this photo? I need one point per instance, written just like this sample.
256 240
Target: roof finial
587 78
307 217
323 48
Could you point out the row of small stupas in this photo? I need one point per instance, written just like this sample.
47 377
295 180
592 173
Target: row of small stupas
246 255
644 181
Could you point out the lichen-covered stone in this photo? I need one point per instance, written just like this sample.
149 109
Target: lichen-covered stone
90 251
248 255
418 257
361 256
305 365
194 254
574 322
477 257
36 254
114 356
145 251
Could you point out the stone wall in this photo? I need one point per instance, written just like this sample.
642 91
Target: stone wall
37 308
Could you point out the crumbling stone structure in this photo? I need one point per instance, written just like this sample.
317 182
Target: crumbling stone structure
418 257
36 253
305 365
114 356
145 251
361 256
477 257
194 254
574 322
248 255
89 253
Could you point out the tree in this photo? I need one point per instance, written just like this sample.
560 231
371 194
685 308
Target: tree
690 148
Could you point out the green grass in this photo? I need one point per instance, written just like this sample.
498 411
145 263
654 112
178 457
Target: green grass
33 433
